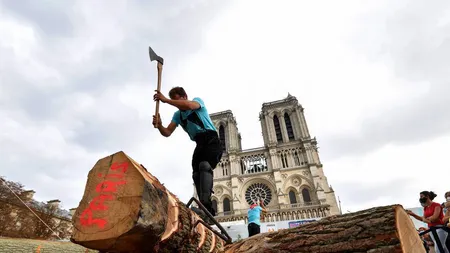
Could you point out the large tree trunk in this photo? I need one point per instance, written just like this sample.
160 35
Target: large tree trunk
376 230
126 209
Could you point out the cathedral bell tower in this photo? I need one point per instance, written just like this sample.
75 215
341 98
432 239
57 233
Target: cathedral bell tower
226 126
287 137
283 121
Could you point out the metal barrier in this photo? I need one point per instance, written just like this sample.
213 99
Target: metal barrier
440 245
224 235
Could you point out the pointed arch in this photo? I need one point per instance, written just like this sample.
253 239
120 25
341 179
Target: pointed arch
290 130
226 205
214 205
292 197
222 137
276 124
306 195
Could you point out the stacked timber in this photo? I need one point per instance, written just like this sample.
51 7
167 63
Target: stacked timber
126 209
377 230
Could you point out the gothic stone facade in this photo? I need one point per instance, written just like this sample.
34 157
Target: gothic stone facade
286 173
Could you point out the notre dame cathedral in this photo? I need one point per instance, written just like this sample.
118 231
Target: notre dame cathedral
286 172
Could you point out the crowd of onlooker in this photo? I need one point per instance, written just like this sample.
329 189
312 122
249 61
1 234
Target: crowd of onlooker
436 216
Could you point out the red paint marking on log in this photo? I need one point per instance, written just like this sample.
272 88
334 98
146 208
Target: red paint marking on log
97 203
123 166
108 186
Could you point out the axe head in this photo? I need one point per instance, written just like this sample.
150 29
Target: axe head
154 56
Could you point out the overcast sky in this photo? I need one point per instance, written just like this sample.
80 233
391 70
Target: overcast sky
76 85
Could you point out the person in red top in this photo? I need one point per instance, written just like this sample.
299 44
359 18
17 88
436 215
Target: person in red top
432 215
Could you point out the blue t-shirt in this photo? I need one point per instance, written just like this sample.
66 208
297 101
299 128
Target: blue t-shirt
254 215
194 121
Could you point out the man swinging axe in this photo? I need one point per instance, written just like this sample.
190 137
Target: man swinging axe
193 117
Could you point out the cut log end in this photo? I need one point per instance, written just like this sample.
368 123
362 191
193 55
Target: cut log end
407 233
126 209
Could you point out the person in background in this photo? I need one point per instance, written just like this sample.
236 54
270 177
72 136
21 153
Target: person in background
427 242
432 215
446 217
254 217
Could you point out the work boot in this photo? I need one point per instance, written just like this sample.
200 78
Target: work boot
202 196
208 206
205 185
202 215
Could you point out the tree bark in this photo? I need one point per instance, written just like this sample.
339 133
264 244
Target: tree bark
375 230
40 246
126 209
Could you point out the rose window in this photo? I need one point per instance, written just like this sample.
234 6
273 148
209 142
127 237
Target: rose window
258 191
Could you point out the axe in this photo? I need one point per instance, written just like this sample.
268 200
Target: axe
153 57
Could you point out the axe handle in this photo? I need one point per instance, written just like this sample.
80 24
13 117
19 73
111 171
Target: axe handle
158 89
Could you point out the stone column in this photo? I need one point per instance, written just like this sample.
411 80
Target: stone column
291 159
308 153
234 164
296 124
274 159
236 204
270 129
283 129
318 182
303 121
230 136
265 131
280 194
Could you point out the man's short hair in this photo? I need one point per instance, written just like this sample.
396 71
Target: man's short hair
177 91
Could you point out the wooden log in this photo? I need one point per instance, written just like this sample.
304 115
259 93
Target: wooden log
14 245
126 209
376 230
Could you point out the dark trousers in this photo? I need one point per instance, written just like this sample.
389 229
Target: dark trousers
253 229
208 149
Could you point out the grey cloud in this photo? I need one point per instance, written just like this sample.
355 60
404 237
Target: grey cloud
414 38
112 66
31 102
49 16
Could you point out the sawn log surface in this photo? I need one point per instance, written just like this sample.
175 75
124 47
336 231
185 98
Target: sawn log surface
126 209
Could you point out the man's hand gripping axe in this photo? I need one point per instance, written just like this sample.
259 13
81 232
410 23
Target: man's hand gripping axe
160 60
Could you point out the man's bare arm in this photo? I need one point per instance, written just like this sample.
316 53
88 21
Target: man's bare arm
167 131
184 104
261 204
